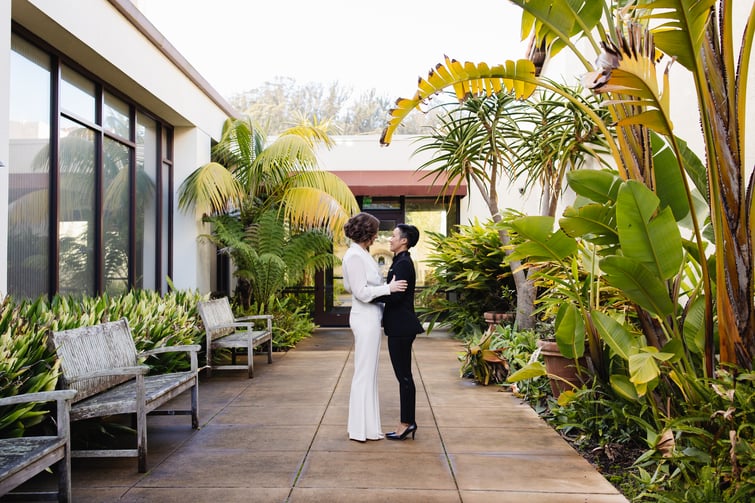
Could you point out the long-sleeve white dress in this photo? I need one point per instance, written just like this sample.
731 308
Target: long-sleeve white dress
361 278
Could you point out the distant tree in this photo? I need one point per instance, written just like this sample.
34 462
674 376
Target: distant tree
277 104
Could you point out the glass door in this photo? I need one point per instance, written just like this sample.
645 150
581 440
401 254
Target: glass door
332 301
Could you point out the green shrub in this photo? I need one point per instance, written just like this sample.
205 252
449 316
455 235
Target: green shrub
468 278
292 321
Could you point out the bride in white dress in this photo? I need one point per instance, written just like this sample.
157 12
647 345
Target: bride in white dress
361 278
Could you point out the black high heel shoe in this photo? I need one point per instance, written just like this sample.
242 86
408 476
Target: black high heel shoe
412 428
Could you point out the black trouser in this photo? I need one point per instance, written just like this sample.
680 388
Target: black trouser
400 349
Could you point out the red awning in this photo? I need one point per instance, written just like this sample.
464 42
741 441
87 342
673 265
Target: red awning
397 183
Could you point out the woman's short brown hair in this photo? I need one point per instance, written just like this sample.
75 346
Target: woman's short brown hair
361 227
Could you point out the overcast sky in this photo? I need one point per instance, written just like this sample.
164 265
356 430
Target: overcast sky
383 44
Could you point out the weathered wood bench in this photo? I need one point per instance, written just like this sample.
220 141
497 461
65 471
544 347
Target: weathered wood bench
102 364
22 458
224 331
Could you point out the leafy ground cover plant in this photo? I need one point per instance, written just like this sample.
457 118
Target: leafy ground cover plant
292 321
26 366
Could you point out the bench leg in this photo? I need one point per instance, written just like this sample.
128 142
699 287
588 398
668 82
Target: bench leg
270 351
250 362
141 424
195 404
64 477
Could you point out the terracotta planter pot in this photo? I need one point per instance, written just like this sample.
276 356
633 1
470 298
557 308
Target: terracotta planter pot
493 318
558 365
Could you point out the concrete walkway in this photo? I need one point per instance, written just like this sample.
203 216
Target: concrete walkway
281 437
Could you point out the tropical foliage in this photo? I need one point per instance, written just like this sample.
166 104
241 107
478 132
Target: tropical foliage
700 37
268 257
260 196
27 364
487 140
652 265
249 176
469 265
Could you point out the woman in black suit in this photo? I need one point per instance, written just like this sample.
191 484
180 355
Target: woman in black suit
401 325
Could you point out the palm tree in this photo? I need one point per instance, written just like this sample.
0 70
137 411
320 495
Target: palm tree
698 34
248 181
486 138
248 176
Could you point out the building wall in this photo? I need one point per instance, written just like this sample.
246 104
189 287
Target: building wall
5 23
113 41
364 152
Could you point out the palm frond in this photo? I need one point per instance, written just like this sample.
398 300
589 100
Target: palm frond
467 79
312 208
212 188
316 132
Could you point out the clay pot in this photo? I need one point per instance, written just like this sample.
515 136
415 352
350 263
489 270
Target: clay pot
557 364
493 318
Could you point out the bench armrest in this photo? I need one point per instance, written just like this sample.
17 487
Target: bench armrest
169 349
119 371
192 349
42 396
62 396
255 317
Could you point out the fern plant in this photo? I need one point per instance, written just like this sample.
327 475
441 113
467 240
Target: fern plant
269 255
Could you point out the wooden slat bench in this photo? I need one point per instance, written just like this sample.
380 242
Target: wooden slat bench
22 458
102 364
223 331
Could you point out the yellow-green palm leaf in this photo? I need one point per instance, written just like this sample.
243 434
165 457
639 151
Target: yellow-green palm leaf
465 79
212 188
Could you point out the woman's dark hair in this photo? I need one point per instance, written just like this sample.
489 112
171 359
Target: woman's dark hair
410 233
361 227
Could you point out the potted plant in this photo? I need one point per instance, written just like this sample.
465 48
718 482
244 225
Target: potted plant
482 360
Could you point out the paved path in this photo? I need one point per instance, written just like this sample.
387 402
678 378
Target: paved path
281 437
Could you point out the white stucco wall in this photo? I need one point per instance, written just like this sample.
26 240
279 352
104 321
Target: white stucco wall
364 152
193 260
5 22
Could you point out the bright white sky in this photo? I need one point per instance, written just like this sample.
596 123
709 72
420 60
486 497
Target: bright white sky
385 45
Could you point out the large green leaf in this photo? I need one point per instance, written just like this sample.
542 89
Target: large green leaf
541 243
601 186
618 338
529 371
643 366
668 178
623 387
638 283
679 28
595 223
645 235
570 331
694 326
556 21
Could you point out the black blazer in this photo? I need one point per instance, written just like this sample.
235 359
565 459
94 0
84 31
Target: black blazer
399 318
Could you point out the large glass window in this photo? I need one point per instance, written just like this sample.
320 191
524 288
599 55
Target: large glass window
29 171
77 95
76 230
85 215
116 217
427 214
146 208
